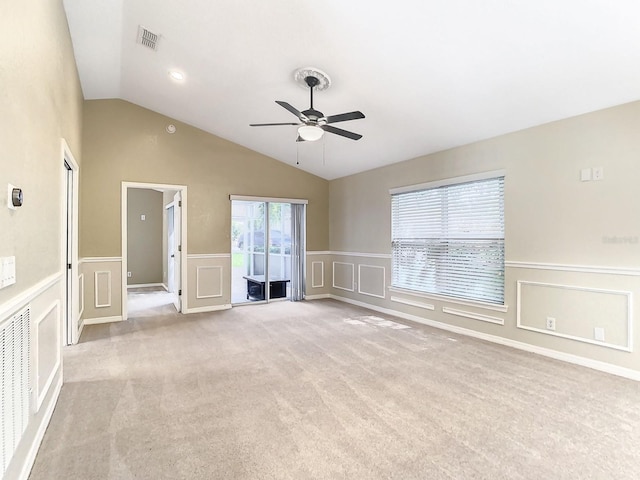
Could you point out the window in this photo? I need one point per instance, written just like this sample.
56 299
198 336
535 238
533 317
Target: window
448 238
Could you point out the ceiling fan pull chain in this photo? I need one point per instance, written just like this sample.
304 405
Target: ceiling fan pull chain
324 143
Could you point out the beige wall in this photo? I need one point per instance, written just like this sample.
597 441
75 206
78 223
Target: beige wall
144 237
40 103
551 217
124 142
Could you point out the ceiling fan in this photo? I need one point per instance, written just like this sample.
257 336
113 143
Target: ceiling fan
314 123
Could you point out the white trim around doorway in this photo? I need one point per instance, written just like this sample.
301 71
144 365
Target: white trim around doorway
183 235
70 321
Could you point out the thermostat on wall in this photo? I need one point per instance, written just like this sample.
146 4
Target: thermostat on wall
14 197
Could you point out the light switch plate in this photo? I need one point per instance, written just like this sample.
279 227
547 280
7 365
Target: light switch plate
585 175
8 271
598 334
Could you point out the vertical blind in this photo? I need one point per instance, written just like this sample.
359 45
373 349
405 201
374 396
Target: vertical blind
297 251
449 240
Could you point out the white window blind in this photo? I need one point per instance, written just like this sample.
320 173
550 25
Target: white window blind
449 240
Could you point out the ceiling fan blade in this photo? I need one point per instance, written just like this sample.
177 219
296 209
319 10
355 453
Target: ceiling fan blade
341 132
343 117
271 124
300 139
292 109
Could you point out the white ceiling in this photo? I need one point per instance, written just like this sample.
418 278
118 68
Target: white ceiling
429 75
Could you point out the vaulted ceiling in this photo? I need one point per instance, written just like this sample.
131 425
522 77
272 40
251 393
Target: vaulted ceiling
429 75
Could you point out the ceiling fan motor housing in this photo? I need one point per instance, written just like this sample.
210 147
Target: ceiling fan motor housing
314 116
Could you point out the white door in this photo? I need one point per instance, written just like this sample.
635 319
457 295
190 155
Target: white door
177 252
171 256
70 322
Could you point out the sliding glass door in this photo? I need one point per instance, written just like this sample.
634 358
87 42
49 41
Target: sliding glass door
262 247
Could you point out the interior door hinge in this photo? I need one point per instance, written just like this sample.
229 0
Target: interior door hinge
69 266
179 248
179 203
179 292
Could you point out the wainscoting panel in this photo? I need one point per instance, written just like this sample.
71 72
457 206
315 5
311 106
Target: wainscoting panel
473 315
591 315
413 303
47 341
81 295
102 286
317 274
209 281
371 280
317 263
37 387
343 276
101 289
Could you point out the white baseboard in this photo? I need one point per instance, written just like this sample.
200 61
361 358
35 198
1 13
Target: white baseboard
42 428
164 285
317 297
527 347
80 329
140 285
99 320
211 308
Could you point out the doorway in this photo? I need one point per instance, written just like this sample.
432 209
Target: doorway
172 251
72 300
153 249
267 246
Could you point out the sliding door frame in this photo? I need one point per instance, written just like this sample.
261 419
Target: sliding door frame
267 201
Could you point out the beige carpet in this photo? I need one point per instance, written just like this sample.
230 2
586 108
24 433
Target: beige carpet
325 390
149 301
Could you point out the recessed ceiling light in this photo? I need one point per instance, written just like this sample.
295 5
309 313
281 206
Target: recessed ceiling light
176 75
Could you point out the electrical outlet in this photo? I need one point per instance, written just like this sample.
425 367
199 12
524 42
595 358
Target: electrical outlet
551 323
129 274
598 173
598 334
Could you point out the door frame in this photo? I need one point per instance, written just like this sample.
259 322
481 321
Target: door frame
183 237
169 214
177 259
267 201
70 316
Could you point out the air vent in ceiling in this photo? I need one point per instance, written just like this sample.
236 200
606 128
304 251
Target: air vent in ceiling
147 38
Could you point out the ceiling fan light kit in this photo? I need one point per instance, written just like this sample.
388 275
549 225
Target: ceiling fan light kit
310 133
314 123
